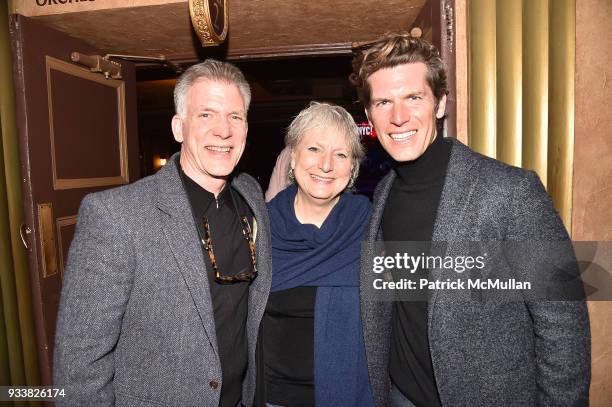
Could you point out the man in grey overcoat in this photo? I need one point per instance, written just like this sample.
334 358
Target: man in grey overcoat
167 278
449 350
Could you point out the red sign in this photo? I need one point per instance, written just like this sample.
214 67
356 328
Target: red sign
365 130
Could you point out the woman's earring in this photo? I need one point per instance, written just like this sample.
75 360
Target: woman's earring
291 176
351 182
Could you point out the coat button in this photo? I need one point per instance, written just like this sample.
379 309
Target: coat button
213 384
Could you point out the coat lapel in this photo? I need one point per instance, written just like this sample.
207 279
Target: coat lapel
260 287
248 188
375 314
180 230
380 199
459 186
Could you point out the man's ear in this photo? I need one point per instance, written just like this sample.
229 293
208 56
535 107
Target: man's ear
441 107
177 128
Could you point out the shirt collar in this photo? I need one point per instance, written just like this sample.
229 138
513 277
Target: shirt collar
201 200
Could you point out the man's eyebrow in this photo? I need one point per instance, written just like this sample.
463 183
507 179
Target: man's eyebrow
201 108
416 93
380 99
207 108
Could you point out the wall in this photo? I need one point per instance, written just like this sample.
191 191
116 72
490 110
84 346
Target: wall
591 215
591 181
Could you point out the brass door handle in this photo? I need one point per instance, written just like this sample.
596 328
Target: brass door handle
25 230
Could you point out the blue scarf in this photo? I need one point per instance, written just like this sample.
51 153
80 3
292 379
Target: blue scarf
328 258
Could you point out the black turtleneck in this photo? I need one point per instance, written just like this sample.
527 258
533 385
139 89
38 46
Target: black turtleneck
409 215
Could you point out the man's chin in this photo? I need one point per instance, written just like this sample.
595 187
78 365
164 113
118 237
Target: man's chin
404 156
222 171
220 175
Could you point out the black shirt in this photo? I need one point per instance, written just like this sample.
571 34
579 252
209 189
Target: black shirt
288 337
229 301
409 215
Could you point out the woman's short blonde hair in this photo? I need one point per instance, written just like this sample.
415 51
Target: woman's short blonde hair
322 115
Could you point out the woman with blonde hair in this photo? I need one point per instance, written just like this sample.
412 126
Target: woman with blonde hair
312 337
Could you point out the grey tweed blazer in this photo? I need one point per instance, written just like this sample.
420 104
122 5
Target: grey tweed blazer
519 353
135 324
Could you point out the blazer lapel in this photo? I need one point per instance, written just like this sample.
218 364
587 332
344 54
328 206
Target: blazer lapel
459 186
260 287
180 230
375 314
380 199
456 194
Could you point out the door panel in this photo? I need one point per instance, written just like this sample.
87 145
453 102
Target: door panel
85 136
77 135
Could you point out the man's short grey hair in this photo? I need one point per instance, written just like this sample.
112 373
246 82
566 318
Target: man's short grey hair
211 70
322 115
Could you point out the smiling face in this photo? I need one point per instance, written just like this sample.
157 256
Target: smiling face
321 164
403 110
213 132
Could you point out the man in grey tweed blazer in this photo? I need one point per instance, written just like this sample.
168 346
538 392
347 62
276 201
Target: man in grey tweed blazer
453 351
138 322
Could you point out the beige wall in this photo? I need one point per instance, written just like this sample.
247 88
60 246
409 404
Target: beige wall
592 170
461 69
591 214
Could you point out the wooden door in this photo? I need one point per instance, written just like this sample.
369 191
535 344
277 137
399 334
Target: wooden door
78 135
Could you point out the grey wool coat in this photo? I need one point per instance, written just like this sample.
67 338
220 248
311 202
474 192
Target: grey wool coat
135 324
517 353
